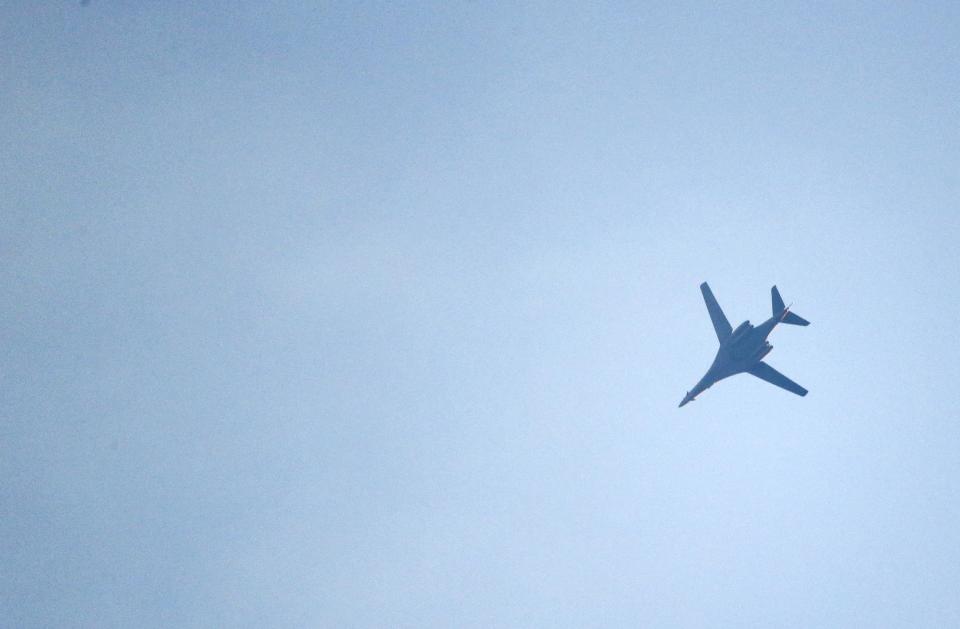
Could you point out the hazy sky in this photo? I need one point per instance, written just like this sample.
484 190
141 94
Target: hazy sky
378 315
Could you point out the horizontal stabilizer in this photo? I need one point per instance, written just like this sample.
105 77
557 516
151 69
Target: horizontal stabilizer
720 324
794 319
765 372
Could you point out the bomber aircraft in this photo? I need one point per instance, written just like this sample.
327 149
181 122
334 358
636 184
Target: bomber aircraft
743 349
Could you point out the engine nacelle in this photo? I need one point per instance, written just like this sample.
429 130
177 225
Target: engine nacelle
763 351
742 329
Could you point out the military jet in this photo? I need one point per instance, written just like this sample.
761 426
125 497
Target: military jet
742 350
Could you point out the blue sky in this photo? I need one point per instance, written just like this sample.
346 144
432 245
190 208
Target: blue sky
378 316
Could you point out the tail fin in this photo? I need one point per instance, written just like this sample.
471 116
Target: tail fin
777 300
783 312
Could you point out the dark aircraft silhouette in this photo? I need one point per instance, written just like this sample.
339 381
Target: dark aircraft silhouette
743 349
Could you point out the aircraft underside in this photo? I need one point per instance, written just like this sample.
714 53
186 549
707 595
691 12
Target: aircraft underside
742 350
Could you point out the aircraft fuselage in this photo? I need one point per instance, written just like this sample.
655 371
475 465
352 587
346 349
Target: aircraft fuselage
745 348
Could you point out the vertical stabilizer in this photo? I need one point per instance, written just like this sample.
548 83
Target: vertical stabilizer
782 312
777 302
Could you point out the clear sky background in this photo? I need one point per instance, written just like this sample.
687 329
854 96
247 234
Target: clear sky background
378 315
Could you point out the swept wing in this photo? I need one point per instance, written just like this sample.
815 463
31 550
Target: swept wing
765 372
720 324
